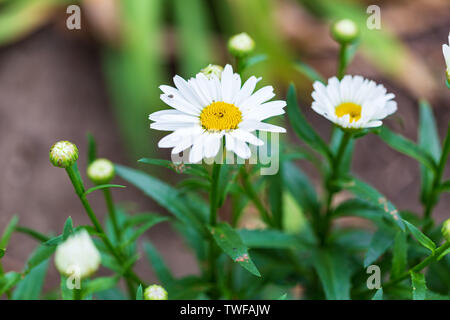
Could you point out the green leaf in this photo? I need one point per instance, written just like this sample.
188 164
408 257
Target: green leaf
335 142
300 187
32 233
193 169
418 285
2 252
443 254
92 148
162 271
334 274
445 186
302 127
143 217
359 208
378 295
100 284
231 243
103 186
399 255
407 147
187 209
366 192
31 286
8 231
41 254
267 239
283 297
139 293
140 231
253 60
423 239
68 229
428 140
381 241
9 280
308 71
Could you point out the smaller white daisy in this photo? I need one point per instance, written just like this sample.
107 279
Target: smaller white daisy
446 51
353 102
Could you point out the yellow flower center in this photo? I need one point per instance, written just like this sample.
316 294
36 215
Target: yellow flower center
220 116
350 108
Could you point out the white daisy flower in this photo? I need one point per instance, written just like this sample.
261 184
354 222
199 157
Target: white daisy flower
446 51
205 110
353 102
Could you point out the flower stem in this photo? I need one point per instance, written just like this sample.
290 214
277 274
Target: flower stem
420 266
251 193
331 189
75 177
213 206
112 212
342 61
434 193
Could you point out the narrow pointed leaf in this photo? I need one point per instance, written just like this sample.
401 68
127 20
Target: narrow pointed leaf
231 243
423 239
419 287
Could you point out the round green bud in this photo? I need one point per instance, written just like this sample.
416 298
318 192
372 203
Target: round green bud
63 154
241 45
101 171
212 69
345 31
155 292
446 229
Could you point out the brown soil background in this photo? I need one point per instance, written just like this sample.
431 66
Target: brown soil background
52 88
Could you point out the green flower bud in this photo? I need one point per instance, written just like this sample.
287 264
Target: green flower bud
212 69
241 45
345 31
446 229
155 292
101 171
63 154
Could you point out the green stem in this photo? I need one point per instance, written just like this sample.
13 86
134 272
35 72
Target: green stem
434 193
331 189
112 212
420 266
74 176
253 196
342 61
213 206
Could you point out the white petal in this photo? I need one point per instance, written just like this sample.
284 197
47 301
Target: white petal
246 90
252 125
246 137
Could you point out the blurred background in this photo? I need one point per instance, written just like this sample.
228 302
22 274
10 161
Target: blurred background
103 79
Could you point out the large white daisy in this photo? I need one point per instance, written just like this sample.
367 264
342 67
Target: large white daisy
207 109
446 51
353 102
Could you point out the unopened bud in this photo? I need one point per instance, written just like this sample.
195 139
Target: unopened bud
63 154
77 256
101 171
212 69
345 31
155 292
241 45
